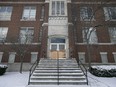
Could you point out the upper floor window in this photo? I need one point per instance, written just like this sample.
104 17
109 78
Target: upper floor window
110 13
58 8
89 34
26 35
86 14
42 12
5 12
29 13
3 33
112 32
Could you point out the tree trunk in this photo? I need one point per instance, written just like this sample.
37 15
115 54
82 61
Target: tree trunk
21 65
89 56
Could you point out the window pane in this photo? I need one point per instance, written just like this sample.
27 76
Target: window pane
53 8
5 12
57 40
53 47
29 13
90 34
26 35
113 13
58 8
62 8
112 32
86 13
61 47
3 33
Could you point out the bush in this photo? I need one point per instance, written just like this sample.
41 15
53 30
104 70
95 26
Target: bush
3 69
103 72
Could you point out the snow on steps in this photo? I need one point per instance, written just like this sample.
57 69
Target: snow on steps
46 73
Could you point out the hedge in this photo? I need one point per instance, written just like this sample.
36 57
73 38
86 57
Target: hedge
3 69
103 72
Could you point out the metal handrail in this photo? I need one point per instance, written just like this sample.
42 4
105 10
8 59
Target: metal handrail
31 70
83 68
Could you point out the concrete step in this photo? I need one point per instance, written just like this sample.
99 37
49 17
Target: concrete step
48 71
56 77
56 71
55 82
56 74
60 68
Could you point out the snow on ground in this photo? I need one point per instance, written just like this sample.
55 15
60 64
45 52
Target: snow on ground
15 79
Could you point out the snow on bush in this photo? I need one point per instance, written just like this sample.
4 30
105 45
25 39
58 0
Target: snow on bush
104 70
3 66
3 69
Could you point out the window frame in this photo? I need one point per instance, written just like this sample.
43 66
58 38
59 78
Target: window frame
112 37
84 14
6 15
58 8
92 39
2 39
27 30
27 17
108 13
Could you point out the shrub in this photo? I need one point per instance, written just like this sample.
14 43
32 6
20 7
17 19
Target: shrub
100 72
3 69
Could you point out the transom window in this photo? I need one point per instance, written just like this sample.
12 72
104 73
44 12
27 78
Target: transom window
110 13
5 12
86 13
58 8
91 34
29 13
26 35
112 32
57 40
3 33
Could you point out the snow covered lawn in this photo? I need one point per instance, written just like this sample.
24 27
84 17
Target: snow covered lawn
15 79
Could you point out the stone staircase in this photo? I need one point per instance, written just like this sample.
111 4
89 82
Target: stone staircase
57 72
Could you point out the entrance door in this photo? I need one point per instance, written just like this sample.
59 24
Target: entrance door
57 51
57 48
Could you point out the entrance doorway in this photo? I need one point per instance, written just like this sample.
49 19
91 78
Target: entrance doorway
57 48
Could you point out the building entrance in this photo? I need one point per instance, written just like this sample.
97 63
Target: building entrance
57 48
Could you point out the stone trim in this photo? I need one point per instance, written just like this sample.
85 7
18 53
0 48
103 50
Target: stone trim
21 2
96 44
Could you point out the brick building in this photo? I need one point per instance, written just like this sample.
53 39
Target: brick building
57 29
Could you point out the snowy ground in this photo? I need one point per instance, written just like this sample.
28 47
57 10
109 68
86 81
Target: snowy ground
15 79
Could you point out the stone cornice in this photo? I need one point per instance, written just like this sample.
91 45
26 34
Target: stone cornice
22 3
94 2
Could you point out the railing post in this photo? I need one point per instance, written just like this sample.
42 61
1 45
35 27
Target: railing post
58 67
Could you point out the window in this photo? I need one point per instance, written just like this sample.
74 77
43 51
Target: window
34 56
29 13
86 13
104 57
3 33
1 54
42 12
57 40
11 57
5 12
58 8
114 53
112 32
82 56
26 35
110 13
91 34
